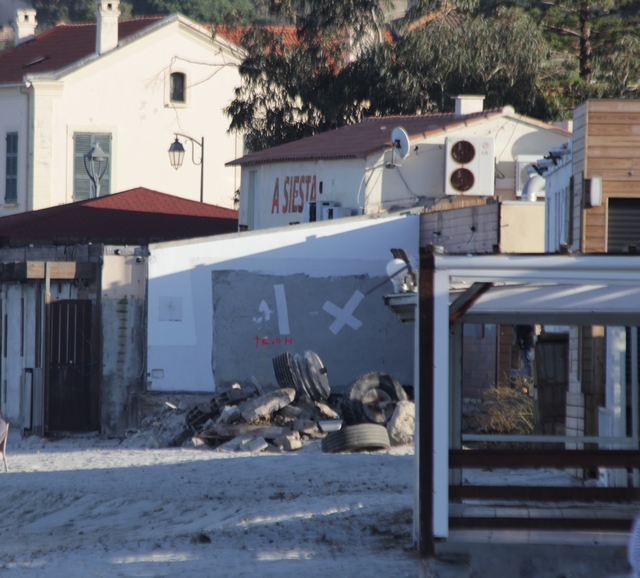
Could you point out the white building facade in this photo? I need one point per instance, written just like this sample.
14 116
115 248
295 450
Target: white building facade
128 86
356 170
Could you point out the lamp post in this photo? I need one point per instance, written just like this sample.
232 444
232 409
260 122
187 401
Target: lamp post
176 156
96 162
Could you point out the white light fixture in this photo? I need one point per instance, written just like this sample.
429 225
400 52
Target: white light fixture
396 271
594 194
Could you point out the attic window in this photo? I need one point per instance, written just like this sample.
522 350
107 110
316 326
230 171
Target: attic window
35 61
177 87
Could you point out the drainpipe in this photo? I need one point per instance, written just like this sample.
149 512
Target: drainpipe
27 90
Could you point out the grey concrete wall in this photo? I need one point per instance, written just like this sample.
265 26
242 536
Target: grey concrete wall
258 316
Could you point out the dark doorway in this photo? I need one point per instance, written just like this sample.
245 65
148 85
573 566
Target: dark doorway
72 401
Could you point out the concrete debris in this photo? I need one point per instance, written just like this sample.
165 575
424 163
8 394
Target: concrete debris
401 426
256 445
289 442
265 405
240 419
230 414
326 410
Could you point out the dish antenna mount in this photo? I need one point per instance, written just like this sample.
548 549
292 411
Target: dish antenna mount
400 144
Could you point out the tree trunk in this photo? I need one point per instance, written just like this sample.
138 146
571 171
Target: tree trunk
585 43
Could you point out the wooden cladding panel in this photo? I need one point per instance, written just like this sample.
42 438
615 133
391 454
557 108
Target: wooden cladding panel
613 106
57 270
614 130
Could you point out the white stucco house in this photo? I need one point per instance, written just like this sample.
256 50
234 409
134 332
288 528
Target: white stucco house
128 86
384 164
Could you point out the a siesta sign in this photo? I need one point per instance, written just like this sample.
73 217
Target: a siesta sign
295 191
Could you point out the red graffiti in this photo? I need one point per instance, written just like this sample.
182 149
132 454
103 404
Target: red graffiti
262 341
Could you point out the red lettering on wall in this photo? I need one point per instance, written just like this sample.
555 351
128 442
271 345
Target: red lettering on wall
275 203
294 205
263 341
313 188
300 206
307 180
285 205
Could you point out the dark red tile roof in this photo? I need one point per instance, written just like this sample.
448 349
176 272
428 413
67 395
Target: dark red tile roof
59 47
359 140
135 217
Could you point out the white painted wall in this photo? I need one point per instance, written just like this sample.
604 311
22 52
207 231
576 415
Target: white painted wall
180 284
13 118
371 187
557 197
125 92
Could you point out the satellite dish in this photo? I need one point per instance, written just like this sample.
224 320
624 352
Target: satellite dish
400 140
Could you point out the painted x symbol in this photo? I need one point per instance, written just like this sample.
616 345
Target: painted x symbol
344 316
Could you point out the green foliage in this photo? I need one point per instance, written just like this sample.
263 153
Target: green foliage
198 10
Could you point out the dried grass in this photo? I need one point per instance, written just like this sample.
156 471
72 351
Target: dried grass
505 410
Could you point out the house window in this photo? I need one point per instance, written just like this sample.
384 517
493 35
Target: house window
177 87
82 185
11 182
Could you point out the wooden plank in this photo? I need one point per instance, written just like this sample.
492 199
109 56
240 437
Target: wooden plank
611 152
619 175
626 163
613 106
612 119
544 493
586 524
615 141
58 270
560 459
613 130
620 189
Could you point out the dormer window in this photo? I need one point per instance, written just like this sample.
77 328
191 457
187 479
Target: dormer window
177 87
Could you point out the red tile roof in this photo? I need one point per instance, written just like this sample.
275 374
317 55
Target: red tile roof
135 217
372 135
59 47
288 33
358 140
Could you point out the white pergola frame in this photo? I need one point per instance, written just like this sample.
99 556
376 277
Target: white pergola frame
435 369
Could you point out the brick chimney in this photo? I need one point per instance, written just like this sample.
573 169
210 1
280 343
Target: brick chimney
107 25
24 27
468 104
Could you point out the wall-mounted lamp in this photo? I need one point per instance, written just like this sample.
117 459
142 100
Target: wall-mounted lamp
593 197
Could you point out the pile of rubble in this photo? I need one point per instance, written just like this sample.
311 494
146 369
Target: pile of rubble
250 419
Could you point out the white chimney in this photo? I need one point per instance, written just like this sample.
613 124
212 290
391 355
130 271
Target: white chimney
24 27
107 29
468 104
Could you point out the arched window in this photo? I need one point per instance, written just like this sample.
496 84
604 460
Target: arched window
177 88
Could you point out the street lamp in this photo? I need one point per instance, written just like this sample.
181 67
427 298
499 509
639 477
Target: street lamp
96 162
176 156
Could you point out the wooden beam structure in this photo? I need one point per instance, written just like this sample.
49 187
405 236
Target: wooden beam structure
25 270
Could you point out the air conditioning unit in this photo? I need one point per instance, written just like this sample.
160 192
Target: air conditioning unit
523 162
470 166
316 210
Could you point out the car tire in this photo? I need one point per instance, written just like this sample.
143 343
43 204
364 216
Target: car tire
372 398
364 436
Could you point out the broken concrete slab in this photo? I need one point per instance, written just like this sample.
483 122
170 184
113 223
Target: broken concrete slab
230 414
263 406
326 411
235 444
289 442
401 426
306 426
256 445
228 431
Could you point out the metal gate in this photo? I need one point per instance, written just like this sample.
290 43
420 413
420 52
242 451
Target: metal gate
72 401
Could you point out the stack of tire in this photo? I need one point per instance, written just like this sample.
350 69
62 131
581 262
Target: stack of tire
367 406
306 374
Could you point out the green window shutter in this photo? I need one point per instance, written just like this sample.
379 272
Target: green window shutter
82 185
11 172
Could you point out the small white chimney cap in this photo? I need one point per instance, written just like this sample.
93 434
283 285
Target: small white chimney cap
468 104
